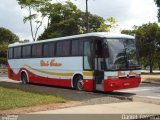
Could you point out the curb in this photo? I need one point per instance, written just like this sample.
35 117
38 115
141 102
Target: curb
138 99
151 82
146 100
122 97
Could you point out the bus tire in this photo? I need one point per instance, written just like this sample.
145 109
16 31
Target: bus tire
78 82
24 78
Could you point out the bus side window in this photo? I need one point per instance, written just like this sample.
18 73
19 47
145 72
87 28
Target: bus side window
26 51
10 53
37 50
49 49
66 48
87 55
77 47
59 48
17 52
63 48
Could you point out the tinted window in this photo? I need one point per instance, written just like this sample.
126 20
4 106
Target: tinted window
10 53
37 50
63 48
17 52
88 48
77 47
26 51
59 49
48 49
66 48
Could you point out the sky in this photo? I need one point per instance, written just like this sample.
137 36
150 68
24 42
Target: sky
127 12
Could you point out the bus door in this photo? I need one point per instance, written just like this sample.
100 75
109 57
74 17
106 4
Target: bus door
99 65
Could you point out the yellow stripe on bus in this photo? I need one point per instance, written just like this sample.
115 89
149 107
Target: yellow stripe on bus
49 73
57 73
88 73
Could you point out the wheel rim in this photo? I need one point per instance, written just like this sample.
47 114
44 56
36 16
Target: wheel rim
80 84
24 79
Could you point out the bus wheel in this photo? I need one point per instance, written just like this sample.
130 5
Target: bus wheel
24 78
79 83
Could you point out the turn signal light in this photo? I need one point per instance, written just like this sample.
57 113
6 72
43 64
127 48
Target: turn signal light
112 85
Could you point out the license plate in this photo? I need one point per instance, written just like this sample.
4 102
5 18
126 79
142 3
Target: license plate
126 84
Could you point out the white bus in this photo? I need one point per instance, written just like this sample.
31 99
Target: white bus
93 61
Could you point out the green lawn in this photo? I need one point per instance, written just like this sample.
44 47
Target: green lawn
15 98
152 79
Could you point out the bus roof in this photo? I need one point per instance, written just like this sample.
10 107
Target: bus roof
95 34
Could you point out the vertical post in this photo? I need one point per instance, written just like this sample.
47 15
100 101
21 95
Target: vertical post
87 21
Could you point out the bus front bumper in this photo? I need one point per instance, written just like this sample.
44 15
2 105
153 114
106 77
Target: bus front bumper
123 83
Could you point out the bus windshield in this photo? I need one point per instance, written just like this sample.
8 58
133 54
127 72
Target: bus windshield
122 54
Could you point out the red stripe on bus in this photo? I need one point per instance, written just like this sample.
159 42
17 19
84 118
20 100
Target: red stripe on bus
33 78
12 75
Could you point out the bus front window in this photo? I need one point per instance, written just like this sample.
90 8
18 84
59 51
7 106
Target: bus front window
131 53
122 54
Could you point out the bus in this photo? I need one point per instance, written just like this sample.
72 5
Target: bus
98 61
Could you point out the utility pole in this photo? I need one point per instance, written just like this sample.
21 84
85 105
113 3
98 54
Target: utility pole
87 15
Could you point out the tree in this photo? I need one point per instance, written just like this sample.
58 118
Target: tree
147 38
157 60
158 5
108 24
35 14
158 15
6 37
61 20
66 19
129 32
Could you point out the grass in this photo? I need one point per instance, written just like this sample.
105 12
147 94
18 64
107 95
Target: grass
15 98
152 79
155 78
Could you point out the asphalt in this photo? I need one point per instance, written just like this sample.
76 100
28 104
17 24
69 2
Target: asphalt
113 108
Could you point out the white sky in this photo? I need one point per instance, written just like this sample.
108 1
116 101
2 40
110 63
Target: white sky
127 12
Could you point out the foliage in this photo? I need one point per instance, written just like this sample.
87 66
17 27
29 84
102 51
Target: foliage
108 24
147 38
128 32
6 37
35 14
66 19
157 2
63 19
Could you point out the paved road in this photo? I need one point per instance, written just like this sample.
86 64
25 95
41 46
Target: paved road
145 91
113 108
